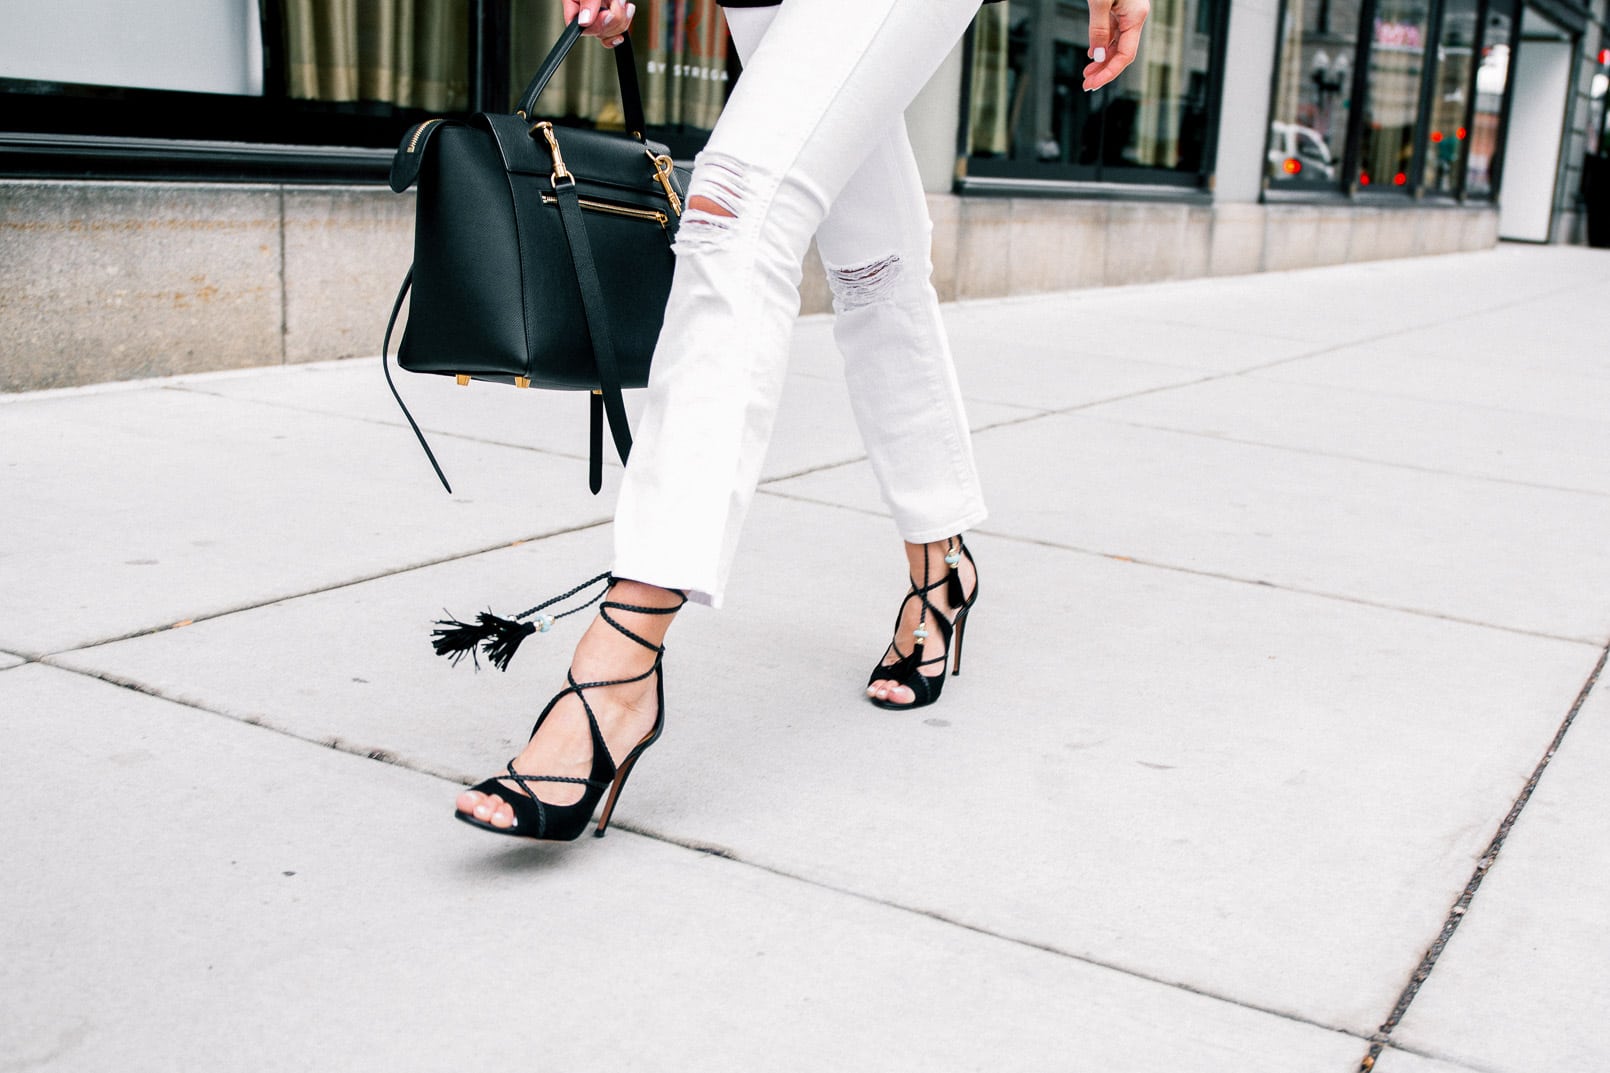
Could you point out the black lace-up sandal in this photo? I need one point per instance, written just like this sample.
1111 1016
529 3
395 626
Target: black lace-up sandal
533 817
907 668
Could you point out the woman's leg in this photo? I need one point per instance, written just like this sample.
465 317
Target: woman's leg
817 96
876 244
821 90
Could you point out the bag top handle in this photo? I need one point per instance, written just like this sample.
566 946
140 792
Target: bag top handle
625 71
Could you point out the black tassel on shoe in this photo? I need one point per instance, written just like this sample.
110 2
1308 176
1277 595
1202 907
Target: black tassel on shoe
506 637
455 639
497 637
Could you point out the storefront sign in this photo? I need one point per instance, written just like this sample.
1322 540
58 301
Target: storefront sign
1399 34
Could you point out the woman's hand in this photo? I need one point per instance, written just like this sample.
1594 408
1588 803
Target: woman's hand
1114 37
607 20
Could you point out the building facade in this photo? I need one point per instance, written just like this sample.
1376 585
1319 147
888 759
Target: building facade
200 184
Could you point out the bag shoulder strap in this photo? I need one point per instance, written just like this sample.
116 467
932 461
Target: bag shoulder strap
597 313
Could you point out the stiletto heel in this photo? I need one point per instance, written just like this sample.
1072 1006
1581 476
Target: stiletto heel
907 667
535 818
619 784
961 631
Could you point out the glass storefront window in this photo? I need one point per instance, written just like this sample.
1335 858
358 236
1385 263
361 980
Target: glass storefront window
1397 60
322 87
1429 97
1029 117
1314 91
1456 44
1492 76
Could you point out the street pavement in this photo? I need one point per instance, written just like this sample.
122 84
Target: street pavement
1276 748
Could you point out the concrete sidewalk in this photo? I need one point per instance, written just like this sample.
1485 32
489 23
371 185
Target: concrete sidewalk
1291 585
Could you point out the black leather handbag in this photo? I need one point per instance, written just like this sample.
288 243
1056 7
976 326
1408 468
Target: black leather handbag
542 254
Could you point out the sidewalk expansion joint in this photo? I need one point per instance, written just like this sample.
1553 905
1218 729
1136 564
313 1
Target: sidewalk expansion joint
333 587
1489 857
1236 579
378 421
726 854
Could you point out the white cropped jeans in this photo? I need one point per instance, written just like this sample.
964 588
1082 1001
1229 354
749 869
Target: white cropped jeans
812 143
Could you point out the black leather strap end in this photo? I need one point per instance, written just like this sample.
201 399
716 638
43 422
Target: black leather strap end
595 443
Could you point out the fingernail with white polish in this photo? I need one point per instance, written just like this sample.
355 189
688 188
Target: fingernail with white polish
1099 55
586 16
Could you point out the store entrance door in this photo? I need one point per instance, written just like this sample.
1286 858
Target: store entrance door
1542 81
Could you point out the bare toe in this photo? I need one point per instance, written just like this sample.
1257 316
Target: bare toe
487 806
467 801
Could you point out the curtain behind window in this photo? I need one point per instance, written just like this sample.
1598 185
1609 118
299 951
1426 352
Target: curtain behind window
413 53
989 101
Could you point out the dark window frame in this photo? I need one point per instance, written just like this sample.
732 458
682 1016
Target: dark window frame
983 176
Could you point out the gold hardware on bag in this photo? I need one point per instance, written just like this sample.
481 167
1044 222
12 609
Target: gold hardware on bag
662 172
589 204
463 379
521 381
559 169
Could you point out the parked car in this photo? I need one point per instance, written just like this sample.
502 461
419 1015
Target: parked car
1298 152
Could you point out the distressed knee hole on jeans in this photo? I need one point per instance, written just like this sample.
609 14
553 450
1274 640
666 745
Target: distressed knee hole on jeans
718 181
865 284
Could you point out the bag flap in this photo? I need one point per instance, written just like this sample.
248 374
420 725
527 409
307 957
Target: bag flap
595 158
405 165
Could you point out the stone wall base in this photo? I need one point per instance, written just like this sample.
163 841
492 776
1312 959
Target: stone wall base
118 281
